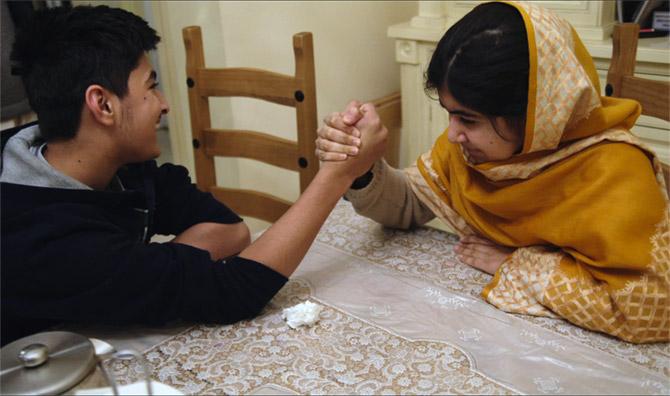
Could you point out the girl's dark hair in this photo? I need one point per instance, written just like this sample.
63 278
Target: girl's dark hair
483 61
62 51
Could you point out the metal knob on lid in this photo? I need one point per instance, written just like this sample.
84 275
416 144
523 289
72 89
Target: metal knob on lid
45 363
34 355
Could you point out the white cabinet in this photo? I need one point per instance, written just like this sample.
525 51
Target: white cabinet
423 118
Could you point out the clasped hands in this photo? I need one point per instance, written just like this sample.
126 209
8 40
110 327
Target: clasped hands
357 134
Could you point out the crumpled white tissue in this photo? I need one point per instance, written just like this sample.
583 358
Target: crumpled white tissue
306 313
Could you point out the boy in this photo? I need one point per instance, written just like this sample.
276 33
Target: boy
81 196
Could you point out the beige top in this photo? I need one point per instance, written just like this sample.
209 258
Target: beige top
389 199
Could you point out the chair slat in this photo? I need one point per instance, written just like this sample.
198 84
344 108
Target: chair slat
303 50
254 145
252 203
654 96
624 49
199 108
247 82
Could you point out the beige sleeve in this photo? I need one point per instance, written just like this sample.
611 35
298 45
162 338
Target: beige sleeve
389 199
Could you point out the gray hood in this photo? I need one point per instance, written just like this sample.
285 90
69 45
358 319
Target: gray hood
23 163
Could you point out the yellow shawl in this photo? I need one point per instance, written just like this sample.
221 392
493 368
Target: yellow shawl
585 201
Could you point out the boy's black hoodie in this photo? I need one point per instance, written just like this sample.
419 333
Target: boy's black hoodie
73 254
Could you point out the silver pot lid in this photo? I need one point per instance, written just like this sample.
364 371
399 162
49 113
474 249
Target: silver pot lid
45 363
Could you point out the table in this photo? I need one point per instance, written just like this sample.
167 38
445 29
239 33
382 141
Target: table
401 315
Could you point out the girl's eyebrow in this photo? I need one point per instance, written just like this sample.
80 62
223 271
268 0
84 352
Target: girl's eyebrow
464 113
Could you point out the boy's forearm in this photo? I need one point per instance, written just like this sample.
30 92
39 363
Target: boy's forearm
286 242
220 240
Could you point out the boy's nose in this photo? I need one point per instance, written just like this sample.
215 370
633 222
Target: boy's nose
165 107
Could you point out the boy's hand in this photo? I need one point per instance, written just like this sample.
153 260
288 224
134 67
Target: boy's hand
372 142
338 138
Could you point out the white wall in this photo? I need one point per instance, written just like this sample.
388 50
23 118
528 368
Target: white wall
354 60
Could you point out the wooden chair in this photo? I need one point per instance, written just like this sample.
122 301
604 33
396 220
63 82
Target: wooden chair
297 91
654 96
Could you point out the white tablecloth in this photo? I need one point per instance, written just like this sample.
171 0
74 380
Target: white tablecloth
401 315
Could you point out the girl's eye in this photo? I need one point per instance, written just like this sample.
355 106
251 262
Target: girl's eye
465 121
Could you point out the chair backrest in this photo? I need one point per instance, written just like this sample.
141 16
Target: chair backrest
298 91
654 96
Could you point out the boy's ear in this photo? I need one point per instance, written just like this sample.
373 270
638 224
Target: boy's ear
100 104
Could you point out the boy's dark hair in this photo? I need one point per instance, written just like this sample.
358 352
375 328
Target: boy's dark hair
62 51
483 60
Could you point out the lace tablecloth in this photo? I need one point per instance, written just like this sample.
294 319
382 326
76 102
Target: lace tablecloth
401 316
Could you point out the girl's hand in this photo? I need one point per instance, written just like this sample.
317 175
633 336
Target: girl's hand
482 253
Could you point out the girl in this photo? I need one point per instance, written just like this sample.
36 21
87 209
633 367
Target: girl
537 172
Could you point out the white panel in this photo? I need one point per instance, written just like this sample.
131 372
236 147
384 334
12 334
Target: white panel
656 139
405 52
567 5
413 113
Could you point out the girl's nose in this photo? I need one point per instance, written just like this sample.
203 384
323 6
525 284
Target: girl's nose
455 135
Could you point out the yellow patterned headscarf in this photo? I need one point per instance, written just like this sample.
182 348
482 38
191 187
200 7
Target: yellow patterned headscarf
582 184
